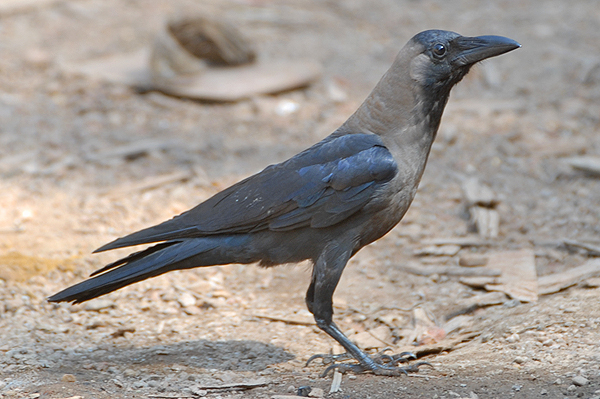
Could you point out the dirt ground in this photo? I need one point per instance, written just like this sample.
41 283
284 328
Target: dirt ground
70 182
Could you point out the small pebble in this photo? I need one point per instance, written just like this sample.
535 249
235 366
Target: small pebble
520 359
580 380
117 383
99 304
544 392
68 378
517 387
130 373
571 388
512 338
317 393
186 299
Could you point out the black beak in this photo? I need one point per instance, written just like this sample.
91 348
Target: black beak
470 50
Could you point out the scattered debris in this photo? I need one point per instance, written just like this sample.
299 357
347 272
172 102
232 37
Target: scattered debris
240 386
425 328
478 301
471 241
99 304
438 250
473 260
68 378
519 278
378 337
446 345
186 299
121 332
482 201
593 282
479 282
457 323
591 249
588 164
451 270
336 382
559 281
292 321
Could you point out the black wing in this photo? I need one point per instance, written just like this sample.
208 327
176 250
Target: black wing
319 187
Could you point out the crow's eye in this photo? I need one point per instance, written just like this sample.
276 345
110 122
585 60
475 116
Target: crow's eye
439 50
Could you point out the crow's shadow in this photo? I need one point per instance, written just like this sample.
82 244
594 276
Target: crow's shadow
221 355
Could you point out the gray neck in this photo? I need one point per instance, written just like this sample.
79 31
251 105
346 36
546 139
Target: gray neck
399 112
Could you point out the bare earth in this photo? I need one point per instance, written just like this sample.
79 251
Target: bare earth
84 161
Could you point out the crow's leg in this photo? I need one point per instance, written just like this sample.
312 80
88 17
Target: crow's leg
319 300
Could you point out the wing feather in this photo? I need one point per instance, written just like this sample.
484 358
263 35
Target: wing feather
319 187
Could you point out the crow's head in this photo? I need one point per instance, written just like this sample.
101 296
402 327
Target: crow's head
440 59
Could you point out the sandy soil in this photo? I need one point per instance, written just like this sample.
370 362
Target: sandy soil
66 188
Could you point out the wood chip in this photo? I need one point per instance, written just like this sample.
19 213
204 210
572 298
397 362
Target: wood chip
336 382
472 260
559 281
592 250
479 282
98 305
457 323
445 345
473 241
479 194
121 332
486 221
452 271
478 301
481 201
588 164
592 282
287 320
519 279
438 250
379 337
239 386
186 299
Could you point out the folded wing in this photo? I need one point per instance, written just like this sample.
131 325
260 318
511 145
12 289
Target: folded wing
319 187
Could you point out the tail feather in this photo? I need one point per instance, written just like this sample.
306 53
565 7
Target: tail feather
139 266
133 257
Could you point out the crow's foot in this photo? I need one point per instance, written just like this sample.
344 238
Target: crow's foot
379 364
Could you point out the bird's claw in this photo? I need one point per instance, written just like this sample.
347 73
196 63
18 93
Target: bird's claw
328 358
383 364
395 359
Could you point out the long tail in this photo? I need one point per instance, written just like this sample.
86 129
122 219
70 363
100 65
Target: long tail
151 262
